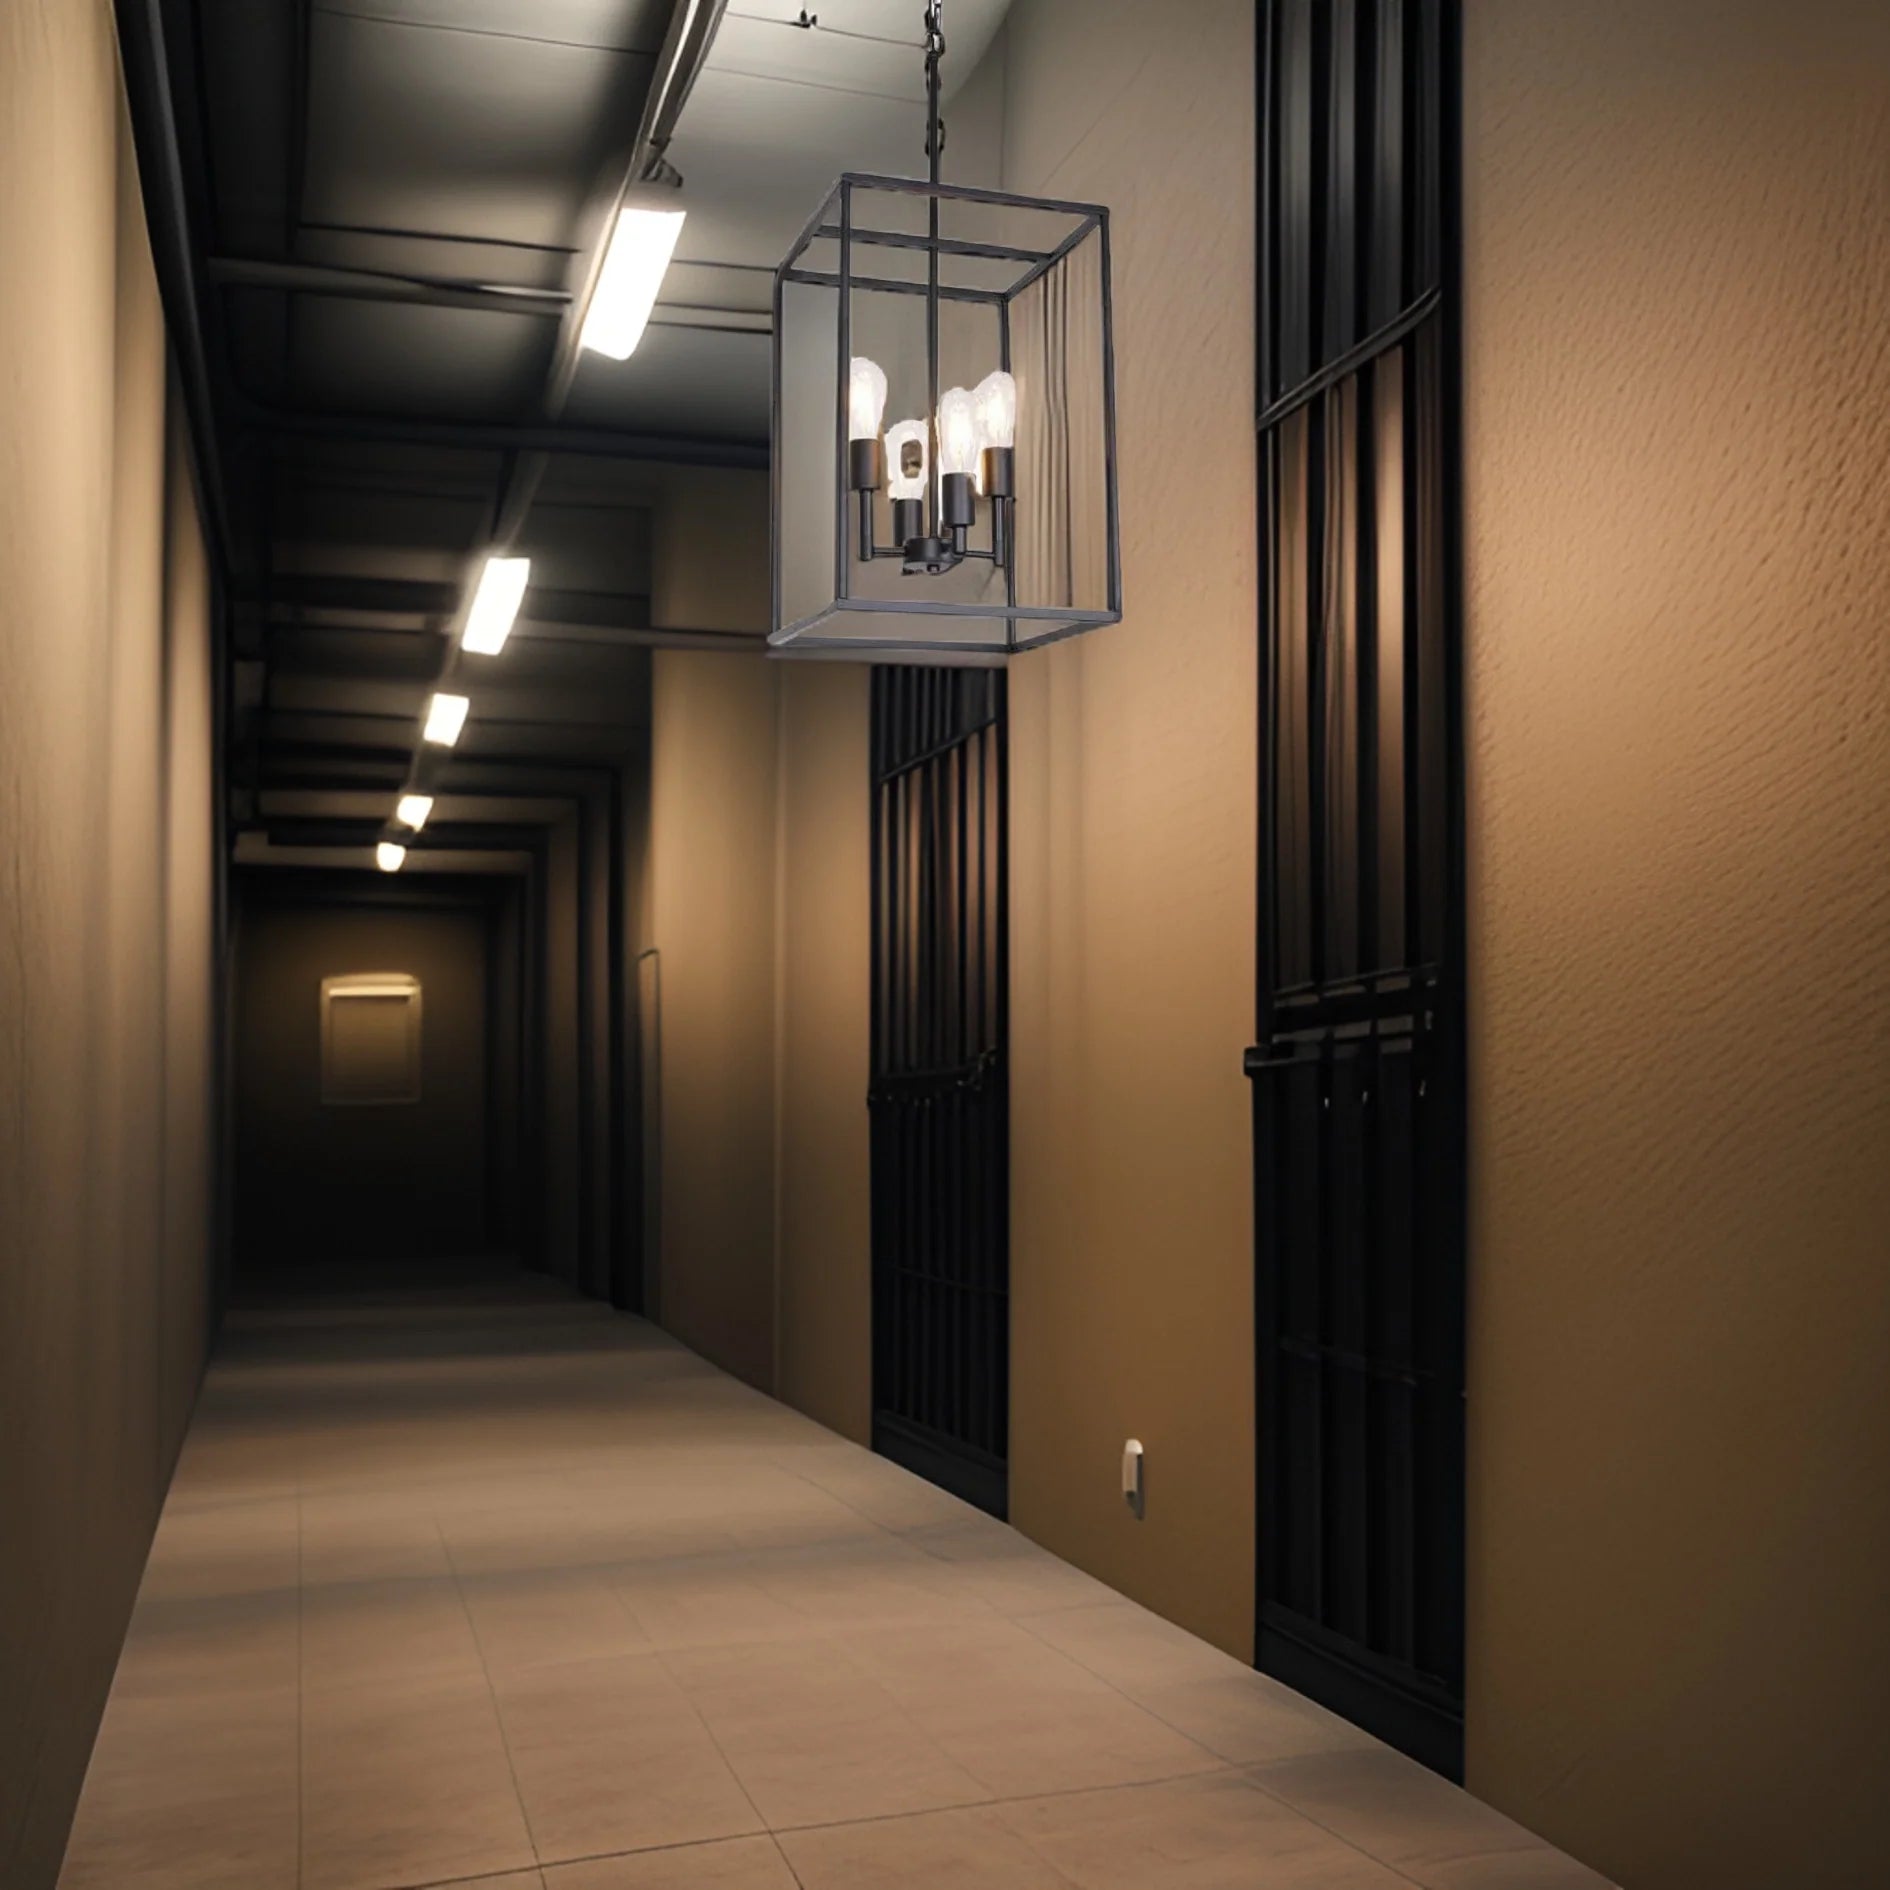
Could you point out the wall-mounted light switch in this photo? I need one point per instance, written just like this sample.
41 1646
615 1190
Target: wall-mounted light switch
1132 1476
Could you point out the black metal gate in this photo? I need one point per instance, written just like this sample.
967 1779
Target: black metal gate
1358 1110
940 1092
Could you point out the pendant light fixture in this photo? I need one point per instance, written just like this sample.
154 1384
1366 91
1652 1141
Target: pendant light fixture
986 521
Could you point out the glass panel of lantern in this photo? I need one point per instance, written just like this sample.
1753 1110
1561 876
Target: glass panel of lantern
980 522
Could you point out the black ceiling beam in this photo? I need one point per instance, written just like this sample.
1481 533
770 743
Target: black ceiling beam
148 92
527 634
355 755
557 616
493 298
424 597
385 285
451 837
396 761
483 436
293 712
275 883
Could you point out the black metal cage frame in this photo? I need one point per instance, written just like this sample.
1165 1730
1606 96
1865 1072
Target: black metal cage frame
834 222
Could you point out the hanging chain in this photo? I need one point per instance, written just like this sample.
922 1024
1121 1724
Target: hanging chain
934 52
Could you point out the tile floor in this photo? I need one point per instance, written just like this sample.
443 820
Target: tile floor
499 1587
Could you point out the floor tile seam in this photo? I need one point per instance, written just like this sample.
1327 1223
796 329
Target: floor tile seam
1364 1850
455 1883
1248 1773
866 1516
1122 1693
492 1693
839 1639
605 1857
1001 1800
787 1863
709 1733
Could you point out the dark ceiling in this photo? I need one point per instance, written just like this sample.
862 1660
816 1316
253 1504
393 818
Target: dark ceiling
387 213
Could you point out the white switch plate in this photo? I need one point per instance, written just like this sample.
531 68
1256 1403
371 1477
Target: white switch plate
1132 1476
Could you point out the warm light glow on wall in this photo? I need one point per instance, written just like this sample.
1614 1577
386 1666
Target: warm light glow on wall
446 716
495 605
411 810
389 856
639 253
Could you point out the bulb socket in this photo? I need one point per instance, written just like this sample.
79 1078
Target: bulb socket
957 504
999 469
928 557
866 465
908 520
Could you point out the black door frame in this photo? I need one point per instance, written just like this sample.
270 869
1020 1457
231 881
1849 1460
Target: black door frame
939 1094
1359 1156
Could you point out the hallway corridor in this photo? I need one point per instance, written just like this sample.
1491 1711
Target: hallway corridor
496 1585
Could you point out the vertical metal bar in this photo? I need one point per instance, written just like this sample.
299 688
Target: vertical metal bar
775 455
1266 365
842 368
1318 485
1365 661
1109 415
934 496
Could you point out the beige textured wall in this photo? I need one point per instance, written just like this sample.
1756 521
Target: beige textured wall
104 939
1132 864
1678 272
823 1177
192 965
711 917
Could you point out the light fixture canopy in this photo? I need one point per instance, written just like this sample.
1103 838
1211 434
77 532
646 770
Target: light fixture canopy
446 716
990 524
390 856
641 244
411 810
495 604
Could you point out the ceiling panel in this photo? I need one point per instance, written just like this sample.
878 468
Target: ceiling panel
508 265
461 134
422 363
858 46
686 381
248 61
629 25
372 531
586 548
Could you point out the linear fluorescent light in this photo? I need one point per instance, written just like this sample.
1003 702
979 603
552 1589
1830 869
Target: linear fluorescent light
446 716
495 604
640 248
411 810
389 855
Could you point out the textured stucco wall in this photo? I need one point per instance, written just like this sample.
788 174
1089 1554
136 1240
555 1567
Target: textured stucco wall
711 918
1678 487
193 967
105 921
1132 863
823 1187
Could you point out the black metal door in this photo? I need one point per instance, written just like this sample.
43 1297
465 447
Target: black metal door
940 1093
1358 1110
